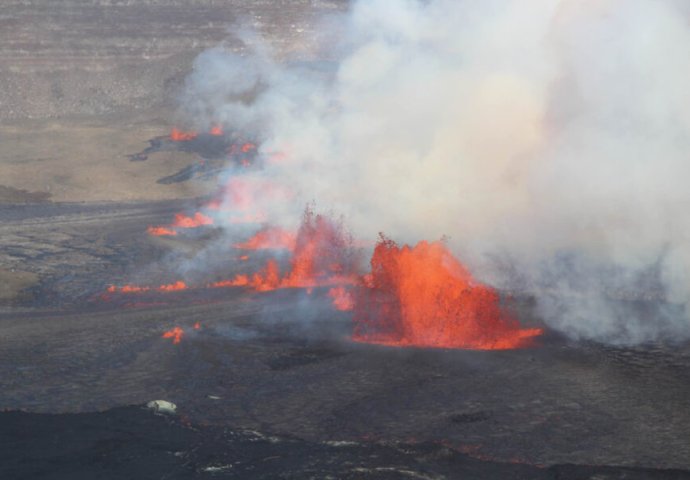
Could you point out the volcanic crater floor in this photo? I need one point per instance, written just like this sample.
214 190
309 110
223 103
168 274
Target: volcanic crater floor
270 384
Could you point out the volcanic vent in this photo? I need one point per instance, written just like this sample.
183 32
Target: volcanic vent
423 296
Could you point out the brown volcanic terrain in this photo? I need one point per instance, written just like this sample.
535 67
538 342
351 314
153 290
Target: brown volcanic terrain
85 84
91 57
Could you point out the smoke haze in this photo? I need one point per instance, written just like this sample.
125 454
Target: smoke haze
548 140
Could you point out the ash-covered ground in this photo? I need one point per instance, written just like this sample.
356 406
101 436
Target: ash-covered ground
270 384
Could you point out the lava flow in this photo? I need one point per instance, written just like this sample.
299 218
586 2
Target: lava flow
177 135
170 287
181 221
176 334
423 296
161 231
196 220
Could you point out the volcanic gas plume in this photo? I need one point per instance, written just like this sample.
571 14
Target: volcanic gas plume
547 140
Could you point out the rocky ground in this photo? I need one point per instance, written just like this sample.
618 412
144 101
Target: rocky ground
85 83
134 443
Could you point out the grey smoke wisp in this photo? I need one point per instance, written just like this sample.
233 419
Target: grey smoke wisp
547 139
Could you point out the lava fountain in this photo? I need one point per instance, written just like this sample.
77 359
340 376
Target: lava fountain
423 296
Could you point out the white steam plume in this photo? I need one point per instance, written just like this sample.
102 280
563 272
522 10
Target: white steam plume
548 139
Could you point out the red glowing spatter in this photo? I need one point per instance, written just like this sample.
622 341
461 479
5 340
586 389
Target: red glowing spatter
216 131
176 334
197 326
267 279
341 298
322 254
269 238
196 220
423 296
182 136
161 231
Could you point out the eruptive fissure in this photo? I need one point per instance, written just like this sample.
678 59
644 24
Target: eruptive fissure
413 296
198 219
170 287
423 296
322 255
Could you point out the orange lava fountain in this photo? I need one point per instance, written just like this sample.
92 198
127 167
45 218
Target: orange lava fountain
423 296
322 256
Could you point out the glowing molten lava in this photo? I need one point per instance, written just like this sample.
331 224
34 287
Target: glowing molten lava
181 221
269 238
171 287
127 289
423 296
182 136
196 220
341 298
161 231
322 256
176 334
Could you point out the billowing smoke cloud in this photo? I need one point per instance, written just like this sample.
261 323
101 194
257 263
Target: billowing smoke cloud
548 139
